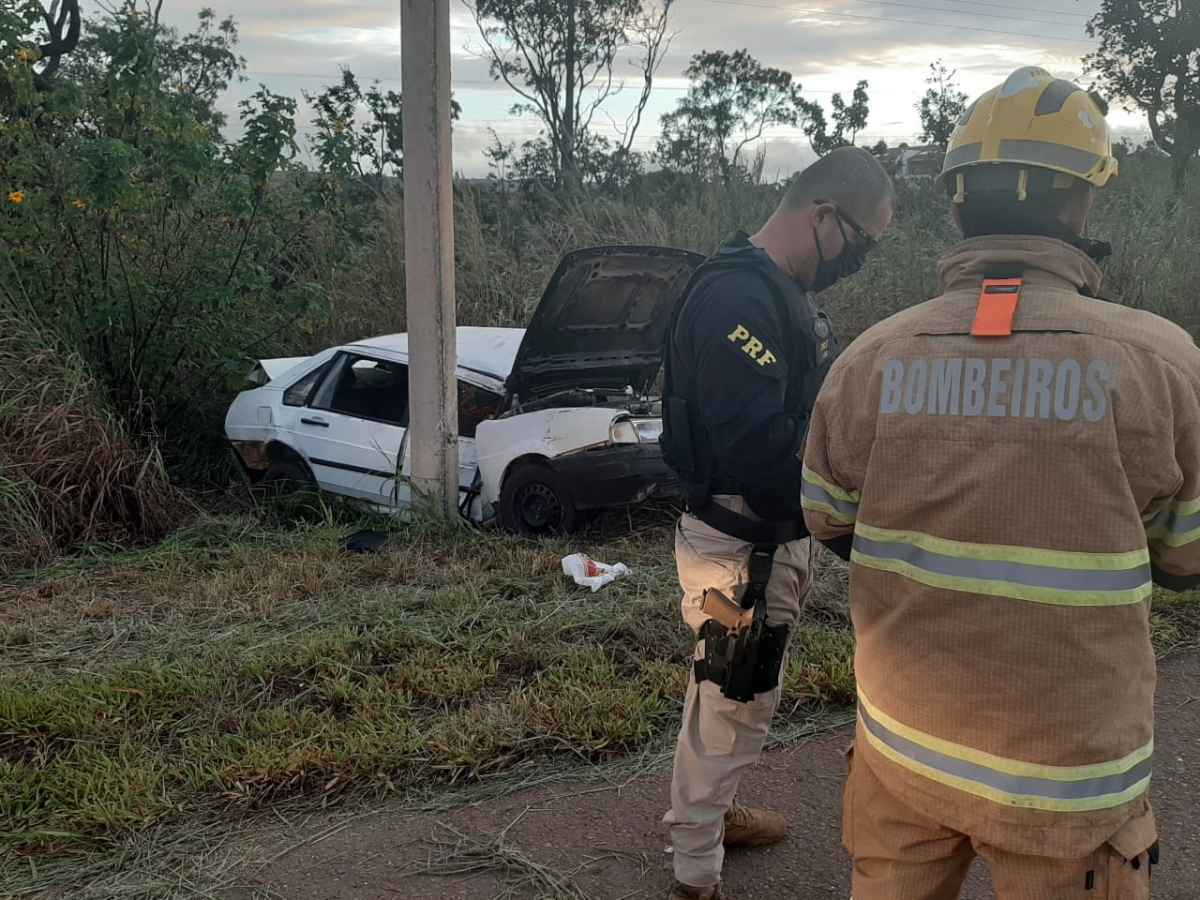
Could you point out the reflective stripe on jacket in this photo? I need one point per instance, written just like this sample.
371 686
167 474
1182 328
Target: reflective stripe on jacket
1010 499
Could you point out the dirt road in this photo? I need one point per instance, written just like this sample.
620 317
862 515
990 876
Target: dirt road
611 845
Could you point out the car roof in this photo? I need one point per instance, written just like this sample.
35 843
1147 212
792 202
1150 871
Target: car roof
489 351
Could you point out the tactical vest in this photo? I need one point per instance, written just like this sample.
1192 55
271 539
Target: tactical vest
685 443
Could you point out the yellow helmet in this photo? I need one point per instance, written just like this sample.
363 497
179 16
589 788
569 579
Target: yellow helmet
1035 120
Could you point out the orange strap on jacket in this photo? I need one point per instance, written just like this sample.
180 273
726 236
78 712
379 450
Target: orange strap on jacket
997 307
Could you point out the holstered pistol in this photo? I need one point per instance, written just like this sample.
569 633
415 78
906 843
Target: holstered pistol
720 608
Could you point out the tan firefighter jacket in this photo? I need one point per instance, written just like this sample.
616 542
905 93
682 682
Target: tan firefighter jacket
1007 498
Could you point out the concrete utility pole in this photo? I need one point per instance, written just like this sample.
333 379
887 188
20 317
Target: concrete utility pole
429 251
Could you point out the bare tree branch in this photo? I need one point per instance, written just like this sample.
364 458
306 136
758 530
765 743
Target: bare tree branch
602 94
750 139
500 66
1158 131
63 26
653 36
560 57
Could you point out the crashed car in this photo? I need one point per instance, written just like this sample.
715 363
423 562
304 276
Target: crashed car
555 420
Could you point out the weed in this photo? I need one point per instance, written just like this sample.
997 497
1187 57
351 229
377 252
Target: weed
237 668
1175 623
283 667
455 854
69 474
821 666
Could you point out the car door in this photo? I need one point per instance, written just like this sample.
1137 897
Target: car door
352 431
475 404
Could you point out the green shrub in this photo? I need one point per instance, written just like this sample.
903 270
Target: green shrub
130 230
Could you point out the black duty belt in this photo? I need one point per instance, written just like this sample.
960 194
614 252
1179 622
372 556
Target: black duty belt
743 528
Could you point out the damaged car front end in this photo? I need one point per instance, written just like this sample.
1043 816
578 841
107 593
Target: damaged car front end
580 426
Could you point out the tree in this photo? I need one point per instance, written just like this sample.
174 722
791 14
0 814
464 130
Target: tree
268 135
359 133
942 106
345 146
129 45
560 57
160 253
1149 57
601 164
61 24
848 121
500 157
732 100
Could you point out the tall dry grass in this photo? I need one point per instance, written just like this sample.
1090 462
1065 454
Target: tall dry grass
69 473
507 245
1156 235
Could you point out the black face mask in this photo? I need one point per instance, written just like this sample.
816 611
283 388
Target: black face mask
1097 250
831 271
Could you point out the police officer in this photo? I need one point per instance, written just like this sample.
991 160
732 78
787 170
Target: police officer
747 351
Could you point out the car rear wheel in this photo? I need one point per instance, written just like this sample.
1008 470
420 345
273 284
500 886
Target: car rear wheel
285 478
535 500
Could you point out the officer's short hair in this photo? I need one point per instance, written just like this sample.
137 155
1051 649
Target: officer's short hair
848 176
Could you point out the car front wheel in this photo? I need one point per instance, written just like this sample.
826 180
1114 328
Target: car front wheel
535 500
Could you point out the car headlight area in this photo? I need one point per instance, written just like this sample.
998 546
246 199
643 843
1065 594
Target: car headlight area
636 431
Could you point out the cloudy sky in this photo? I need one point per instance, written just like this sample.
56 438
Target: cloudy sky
297 45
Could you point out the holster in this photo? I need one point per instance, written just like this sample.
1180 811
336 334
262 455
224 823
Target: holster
745 662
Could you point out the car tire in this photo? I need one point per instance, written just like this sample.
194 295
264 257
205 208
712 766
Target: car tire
286 477
536 501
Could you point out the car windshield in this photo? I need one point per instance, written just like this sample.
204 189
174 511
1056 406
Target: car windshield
475 405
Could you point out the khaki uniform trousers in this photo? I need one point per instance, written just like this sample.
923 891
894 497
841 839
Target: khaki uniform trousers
901 855
720 738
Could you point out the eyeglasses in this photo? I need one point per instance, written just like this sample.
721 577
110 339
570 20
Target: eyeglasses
868 243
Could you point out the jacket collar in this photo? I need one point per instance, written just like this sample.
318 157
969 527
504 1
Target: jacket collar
1046 262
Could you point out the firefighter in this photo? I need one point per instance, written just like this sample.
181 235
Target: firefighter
1010 469
747 350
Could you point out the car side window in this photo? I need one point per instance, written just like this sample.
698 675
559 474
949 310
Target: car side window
301 392
475 405
366 388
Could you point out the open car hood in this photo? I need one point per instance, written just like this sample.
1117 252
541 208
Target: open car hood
267 370
602 321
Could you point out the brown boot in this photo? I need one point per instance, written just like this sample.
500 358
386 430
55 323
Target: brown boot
683 891
749 827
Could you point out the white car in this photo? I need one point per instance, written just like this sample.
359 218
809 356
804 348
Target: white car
554 420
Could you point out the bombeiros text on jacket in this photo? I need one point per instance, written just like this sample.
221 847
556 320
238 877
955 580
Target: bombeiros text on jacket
1001 387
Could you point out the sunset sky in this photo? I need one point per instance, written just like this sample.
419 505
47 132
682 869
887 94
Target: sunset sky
297 45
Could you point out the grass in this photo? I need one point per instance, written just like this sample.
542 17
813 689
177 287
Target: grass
455 854
69 472
1175 623
233 669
